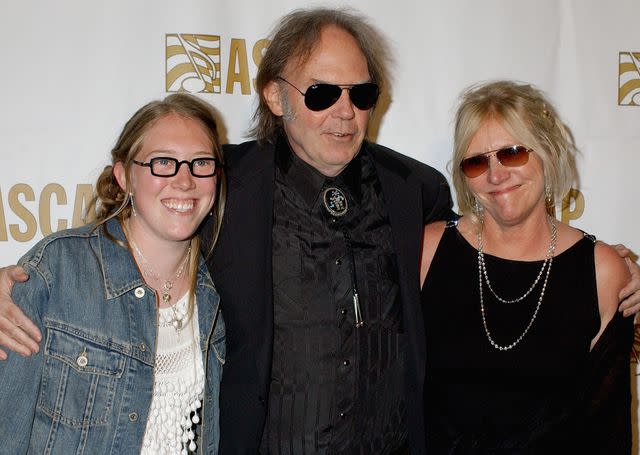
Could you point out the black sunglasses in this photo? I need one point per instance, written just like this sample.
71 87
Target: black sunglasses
319 97
164 166
513 156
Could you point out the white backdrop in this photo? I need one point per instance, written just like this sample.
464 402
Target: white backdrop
74 71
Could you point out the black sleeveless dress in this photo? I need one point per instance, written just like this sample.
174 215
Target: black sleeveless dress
548 394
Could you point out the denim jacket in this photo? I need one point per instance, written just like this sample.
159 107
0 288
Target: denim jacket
89 388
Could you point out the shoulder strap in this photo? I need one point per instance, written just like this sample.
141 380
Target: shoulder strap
589 236
451 223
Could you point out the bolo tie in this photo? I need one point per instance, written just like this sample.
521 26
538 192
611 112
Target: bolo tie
335 203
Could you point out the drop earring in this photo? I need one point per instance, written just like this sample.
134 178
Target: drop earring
477 208
548 194
133 207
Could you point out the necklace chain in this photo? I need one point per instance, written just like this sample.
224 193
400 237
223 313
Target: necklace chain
547 259
167 283
484 276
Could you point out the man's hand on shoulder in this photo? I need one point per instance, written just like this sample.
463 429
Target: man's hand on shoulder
630 294
17 332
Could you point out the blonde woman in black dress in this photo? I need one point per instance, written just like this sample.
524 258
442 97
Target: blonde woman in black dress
526 352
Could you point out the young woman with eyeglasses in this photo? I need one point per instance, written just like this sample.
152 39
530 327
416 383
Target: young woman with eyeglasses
526 352
134 340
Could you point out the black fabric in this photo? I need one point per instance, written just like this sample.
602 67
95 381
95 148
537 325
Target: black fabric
241 268
549 394
335 388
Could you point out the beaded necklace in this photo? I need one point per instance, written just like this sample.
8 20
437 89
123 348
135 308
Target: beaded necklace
483 276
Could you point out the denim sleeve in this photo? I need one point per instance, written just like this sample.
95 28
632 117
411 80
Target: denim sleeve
20 377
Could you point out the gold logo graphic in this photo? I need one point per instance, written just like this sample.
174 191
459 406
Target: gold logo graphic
193 63
41 209
629 79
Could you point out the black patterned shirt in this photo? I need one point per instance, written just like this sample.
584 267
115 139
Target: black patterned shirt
335 388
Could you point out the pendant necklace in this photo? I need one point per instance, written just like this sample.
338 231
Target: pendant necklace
483 276
177 320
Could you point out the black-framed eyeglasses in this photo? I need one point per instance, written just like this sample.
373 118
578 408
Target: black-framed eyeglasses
319 97
163 166
512 156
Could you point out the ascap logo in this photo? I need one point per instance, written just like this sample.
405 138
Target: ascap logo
21 204
572 206
194 63
629 79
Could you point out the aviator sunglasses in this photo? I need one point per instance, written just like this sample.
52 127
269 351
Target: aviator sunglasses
319 97
513 156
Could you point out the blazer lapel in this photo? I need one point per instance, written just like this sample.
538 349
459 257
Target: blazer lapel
403 196
241 270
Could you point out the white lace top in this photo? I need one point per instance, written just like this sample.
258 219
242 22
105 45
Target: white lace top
178 385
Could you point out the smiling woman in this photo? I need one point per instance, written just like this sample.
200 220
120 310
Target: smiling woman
545 366
134 340
169 205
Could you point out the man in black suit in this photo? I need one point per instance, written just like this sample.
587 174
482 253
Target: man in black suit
317 262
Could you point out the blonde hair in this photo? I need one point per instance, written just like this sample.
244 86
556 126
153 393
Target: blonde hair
111 201
528 116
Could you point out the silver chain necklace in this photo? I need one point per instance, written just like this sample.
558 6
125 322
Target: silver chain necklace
484 276
167 283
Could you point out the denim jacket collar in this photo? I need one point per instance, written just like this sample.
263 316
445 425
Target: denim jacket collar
117 261
121 275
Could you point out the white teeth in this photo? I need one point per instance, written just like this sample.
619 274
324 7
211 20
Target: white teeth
179 206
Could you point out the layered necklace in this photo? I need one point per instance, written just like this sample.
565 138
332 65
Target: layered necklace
177 320
483 277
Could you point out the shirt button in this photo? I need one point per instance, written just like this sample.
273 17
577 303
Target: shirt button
139 292
345 362
338 261
143 347
133 417
343 311
342 415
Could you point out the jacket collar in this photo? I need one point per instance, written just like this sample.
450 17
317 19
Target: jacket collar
308 182
120 271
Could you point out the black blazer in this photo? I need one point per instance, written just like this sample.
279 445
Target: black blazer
241 269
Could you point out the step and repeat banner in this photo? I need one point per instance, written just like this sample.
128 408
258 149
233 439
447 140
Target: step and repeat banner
73 72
